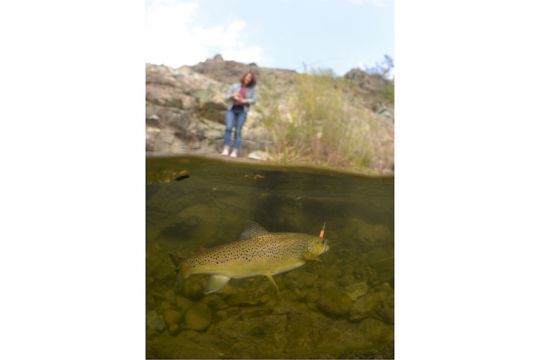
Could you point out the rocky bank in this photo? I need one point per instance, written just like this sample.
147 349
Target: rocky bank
185 106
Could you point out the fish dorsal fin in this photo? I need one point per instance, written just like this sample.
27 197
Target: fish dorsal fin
201 250
252 229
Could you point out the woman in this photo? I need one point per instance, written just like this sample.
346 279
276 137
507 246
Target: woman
239 97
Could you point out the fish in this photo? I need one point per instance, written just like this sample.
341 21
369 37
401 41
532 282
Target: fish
257 252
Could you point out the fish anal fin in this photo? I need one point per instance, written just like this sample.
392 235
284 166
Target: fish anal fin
216 283
252 230
269 276
310 257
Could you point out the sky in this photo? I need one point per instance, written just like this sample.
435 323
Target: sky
289 34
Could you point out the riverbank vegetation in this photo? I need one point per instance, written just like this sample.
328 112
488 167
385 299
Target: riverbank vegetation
317 120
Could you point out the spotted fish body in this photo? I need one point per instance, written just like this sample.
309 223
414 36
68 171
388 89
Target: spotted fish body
258 253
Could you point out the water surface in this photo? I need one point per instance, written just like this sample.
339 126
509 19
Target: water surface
342 307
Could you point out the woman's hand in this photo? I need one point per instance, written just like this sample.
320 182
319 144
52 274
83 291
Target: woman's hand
236 97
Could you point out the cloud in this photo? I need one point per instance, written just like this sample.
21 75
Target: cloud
226 40
173 38
378 3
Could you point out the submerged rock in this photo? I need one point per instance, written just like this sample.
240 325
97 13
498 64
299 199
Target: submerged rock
165 305
253 336
312 295
346 280
356 290
170 296
302 279
377 331
174 329
385 309
364 272
214 301
172 317
287 304
155 322
334 302
193 288
382 261
221 314
244 298
183 304
364 306
340 339
183 346
198 317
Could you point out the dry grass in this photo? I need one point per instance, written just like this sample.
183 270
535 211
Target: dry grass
315 121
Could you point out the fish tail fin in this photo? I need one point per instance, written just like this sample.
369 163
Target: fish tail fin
177 261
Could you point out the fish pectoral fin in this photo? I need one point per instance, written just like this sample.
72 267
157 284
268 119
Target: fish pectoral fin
311 257
269 276
216 282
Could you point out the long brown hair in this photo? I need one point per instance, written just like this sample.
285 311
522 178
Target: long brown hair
253 81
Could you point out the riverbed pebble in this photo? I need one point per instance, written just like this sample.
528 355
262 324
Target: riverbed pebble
183 304
198 317
155 322
312 295
193 288
364 306
170 296
334 302
301 279
356 289
174 329
172 317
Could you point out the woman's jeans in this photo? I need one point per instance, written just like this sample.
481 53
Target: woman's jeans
234 119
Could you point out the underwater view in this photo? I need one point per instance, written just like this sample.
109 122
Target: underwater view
336 301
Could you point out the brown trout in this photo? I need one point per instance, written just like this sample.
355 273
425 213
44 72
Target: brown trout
258 252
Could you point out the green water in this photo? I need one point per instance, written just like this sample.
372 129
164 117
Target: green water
342 307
